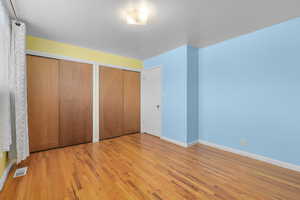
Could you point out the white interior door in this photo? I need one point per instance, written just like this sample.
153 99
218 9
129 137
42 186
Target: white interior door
151 101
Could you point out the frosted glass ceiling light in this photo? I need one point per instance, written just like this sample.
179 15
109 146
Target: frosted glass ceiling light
137 16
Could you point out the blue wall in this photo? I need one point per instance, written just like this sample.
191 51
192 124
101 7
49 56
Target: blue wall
192 94
247 88
174 92
250 90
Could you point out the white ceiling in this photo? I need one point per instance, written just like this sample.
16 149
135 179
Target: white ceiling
97 24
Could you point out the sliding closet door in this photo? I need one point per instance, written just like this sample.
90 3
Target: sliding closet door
111 102
43 104
131 102
75 83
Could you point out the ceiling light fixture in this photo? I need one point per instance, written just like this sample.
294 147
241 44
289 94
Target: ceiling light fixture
137 15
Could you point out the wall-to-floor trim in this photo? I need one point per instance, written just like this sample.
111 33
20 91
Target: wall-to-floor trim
254 156
149 133
5 173
183 144
192 143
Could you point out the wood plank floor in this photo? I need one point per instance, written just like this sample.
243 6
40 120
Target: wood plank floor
141 166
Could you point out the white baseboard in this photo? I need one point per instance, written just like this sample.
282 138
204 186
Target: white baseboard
150 133
95 140
5 173
192 143
254 156
183 144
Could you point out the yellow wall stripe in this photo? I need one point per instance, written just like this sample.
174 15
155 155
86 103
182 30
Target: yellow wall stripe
3 162
63 49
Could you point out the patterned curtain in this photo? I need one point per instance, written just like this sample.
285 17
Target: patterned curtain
18 92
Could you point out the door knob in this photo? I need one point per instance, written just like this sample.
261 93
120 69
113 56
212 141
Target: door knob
157 106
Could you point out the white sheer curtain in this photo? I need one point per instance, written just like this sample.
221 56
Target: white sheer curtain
5 123
13 90
18 92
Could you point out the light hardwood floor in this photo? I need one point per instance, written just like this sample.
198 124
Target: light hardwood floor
141 166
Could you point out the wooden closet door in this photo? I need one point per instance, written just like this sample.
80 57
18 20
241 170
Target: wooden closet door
131 102
75 83
111 102
43 104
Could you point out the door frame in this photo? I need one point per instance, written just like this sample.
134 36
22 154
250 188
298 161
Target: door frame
161 102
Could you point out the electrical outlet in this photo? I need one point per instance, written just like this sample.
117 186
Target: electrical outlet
243 142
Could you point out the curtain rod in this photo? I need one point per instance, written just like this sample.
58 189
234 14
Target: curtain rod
14 11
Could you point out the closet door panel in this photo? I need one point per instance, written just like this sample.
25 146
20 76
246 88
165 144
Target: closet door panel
131 115
43 104
75 83
111 102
